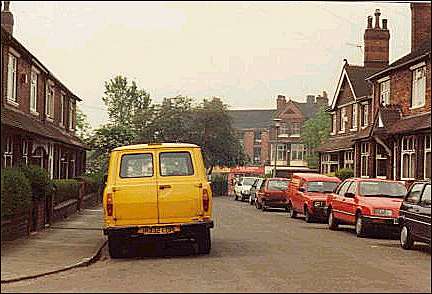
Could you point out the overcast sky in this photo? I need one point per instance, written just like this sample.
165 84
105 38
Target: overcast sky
245 52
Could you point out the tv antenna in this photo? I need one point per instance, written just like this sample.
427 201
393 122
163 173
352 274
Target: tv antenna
360 46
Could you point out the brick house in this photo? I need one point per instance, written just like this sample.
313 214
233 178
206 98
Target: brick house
38 117
398 145
257 132
352 105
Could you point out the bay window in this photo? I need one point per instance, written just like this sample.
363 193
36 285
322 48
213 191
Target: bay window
408 158
297 152
349 159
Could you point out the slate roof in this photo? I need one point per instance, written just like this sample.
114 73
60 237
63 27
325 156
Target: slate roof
252 119
336 144
308 109
411 124
24 122
357 75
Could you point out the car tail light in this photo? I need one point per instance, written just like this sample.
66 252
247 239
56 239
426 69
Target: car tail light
206 200
267 194
110 204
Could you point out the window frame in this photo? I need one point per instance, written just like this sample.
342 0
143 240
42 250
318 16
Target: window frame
364 153
427 150
384 94
298 150
334 123
140 153
170 152
380 156
354 117
8 153
415 85
410 152
34 83
49 100
12 79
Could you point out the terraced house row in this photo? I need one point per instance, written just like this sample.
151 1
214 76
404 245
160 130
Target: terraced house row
381 112
38 112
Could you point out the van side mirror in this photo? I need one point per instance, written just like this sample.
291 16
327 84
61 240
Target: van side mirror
349 195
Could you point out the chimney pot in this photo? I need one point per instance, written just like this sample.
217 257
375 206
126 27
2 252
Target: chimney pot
377 16
369 23
384 24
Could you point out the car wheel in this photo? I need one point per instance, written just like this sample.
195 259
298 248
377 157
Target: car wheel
291 212
406 239
116 247
308 217
204 241
360 226
332 222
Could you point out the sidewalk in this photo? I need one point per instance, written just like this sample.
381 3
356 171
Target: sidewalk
73 242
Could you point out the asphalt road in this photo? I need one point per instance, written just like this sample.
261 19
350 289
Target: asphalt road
255 251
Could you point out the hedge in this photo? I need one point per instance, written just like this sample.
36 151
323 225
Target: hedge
344 173
65 190
41 184
16 194
93 182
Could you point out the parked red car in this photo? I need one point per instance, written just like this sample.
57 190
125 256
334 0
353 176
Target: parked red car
366 203
272 193
307 194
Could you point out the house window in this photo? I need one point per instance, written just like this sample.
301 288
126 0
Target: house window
8 154
284 129
71 114
62 99
329 163
427 157
257 136
281 152
33 91
364 149
257 154
349 159
295 129
364 114
12 79
297 152
51 160
333 123
384 90
381 162
25 151
49 107
418 87
408 158
354 116
343 119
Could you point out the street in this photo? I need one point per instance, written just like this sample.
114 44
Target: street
256 251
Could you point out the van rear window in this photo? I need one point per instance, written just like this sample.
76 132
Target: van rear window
176 164
136 165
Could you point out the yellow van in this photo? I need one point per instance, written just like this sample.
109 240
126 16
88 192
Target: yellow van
157 191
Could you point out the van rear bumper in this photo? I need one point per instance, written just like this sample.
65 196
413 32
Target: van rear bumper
133 230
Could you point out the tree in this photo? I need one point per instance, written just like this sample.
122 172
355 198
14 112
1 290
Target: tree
83 128
125 101
314 133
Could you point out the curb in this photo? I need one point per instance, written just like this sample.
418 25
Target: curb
85 262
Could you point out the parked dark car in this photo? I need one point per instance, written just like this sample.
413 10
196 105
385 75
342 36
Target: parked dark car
255 186
415 215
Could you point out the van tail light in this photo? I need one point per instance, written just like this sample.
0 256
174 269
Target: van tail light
110 204
206 200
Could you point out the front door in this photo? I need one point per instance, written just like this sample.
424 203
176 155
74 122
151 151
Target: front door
179 187
135 189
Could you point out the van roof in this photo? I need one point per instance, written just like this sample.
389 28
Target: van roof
156 146
310 176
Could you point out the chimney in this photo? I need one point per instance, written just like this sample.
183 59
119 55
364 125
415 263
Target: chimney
322 100
280 102
7 20
310 99
376 43
420 24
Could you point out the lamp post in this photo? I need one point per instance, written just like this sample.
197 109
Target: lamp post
277 125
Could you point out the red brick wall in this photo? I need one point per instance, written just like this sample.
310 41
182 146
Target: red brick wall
248 141
265 147
420 24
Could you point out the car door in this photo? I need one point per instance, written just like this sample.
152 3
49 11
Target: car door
410 208
179 186
135 189
338 207
424 214
349 204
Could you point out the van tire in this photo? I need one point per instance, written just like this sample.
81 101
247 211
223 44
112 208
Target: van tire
115 247
204 241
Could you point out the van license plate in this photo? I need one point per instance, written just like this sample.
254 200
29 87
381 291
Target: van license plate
157 230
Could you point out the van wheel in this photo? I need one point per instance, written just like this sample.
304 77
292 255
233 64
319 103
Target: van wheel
406 239
204 241
332 222
291 212
115 247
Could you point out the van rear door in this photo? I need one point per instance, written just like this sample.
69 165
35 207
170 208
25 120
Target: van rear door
179 186
135 189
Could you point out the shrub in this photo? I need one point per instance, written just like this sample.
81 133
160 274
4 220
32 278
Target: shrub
94 181
344 173
16 194
40 182
65 189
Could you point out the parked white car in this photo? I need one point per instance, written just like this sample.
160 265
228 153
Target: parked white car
242 188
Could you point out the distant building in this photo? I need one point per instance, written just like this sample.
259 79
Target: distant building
257 133
38 112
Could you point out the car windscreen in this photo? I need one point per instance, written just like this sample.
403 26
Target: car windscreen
382 189
320 186
248 181
277 185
